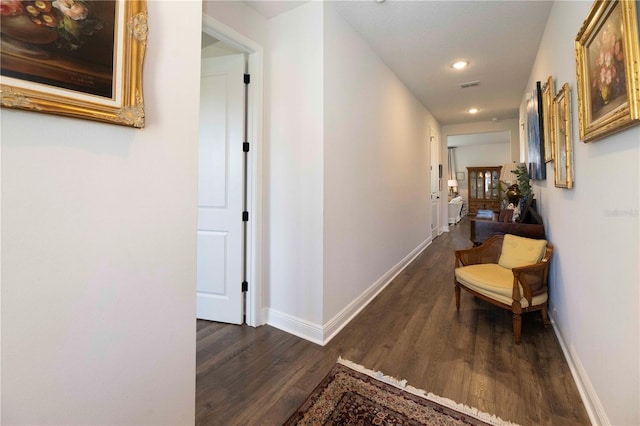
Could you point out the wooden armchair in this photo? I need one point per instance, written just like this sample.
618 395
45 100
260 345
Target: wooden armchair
507 271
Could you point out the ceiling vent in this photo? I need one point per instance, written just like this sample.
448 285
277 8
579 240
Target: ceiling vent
469 84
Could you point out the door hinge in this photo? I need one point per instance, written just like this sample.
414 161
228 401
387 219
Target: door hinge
245 146
245 286
247 78
245 216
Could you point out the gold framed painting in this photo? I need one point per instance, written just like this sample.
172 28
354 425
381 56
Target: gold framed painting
562 132
548 92
608 79
77 58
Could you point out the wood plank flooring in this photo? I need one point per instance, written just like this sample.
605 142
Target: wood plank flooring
412 331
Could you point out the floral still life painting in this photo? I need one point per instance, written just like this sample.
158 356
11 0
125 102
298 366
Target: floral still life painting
63 43
78 58
606 65
608 78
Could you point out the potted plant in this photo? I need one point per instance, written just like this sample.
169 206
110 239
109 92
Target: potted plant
523 186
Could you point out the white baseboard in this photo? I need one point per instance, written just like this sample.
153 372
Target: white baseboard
338 322
590 399
321 335
296 326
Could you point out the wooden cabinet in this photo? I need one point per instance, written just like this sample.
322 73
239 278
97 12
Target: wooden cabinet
484 188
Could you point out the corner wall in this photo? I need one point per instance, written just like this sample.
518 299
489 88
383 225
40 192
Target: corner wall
595 230
98 251
293 171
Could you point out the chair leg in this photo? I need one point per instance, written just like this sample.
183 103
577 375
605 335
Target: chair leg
517 327
457 297
545 316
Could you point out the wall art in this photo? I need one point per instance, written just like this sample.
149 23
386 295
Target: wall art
547 118
562 130
607 69
78 58
537 169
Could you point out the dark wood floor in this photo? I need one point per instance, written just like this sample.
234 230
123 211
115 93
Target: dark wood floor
412 331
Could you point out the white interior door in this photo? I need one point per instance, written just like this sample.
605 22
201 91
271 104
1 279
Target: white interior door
435 184
220 190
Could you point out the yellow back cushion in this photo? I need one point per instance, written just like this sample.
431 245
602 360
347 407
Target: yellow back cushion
520 251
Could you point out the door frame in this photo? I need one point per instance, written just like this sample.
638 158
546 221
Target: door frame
255 58
436 165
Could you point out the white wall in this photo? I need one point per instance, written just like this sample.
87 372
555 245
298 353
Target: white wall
292 160
511 125
294 167
376 168
302 86
594 227
98 251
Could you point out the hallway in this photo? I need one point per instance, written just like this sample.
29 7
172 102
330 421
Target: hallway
410 331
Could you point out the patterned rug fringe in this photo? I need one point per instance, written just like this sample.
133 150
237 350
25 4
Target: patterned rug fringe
402 384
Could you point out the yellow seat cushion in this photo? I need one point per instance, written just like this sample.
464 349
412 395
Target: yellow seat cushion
520 251
493 281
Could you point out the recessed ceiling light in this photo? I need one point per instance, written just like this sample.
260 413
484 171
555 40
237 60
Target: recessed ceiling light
473 110
459 65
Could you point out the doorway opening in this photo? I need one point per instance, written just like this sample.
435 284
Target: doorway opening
239 173
480 149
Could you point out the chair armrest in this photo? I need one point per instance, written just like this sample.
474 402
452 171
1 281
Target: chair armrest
532 279
488 252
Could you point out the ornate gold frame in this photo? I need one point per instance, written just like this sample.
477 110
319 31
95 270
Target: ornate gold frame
126 107
562 134
627 113
547 119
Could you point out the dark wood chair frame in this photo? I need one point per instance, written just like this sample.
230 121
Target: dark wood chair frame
532 278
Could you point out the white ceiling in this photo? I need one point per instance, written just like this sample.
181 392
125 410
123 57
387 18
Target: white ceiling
270 8
418 40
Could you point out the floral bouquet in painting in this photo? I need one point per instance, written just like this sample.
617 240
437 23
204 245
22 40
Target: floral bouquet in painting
608 73
63 22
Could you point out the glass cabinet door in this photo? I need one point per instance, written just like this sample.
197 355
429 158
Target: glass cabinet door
487 184
484 188
495 179
472 180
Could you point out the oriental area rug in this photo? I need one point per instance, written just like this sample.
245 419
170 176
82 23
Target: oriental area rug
353 395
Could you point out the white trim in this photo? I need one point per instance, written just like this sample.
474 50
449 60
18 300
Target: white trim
320 334
254 261
338 322
228 35
255 54
296 326
587 392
